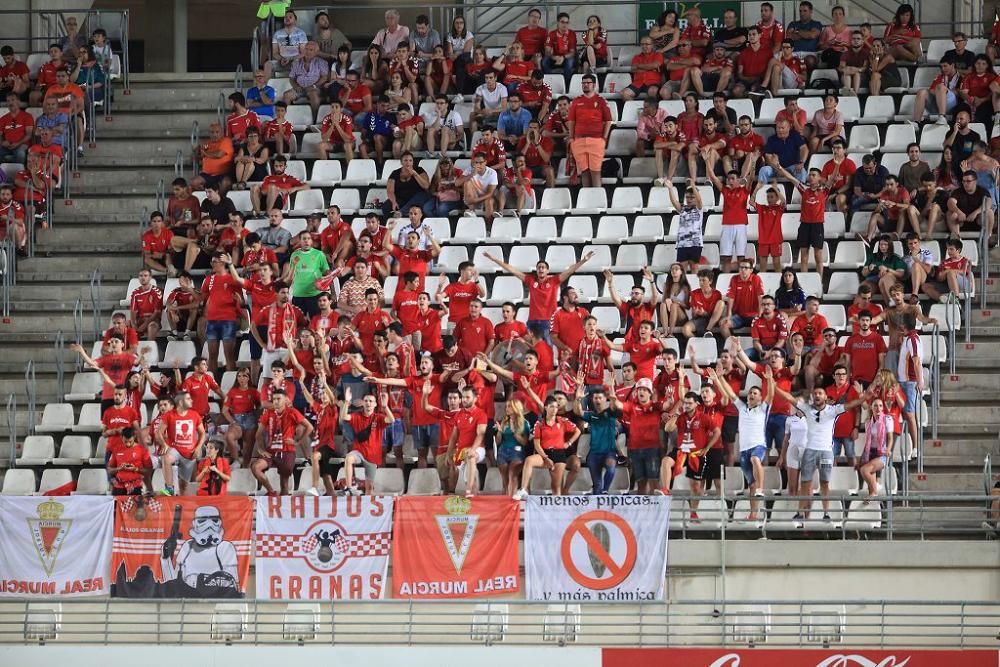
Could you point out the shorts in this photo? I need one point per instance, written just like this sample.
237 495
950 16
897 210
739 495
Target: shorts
246 421
941 286
710 80
529 197
689 254
283 461
789 78
746 465
326 457
701 474
711 464
121 491
185 466
810 235
211 180
910 389
393 435
734 241
793 457
559 455
639 91
355 457
508 455
845 444
645 463
951 100
739 321
768 249
700 325
588 153
813 458
221 329
730 427
774 431
425 437
255 349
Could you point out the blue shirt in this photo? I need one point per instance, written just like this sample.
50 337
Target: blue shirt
871 184
805 44
514 125
786 149
603 430
376 123
52 123
509 443
253 95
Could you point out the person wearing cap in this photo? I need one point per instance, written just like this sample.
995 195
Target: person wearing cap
643 418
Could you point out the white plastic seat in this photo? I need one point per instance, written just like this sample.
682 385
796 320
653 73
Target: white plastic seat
576 229
621 80
864 517
179 354
664 255
506 288
904 76
630 113
612 229
85 386
849 255
864 138
243 483
631 257
326 173
878 109
504 230
524 258
937 48
297 168
933 136
844 479
621 142
555 201
600 261
450 257
469 230
575 86
360 172
19 482
897 138
37 450
482 264
585 286
74 450
423 482
241 199
705 349
641 170
388 167
90 419
560 257
92 482
557 83
626 200
389 481
300 622
948 315
659 201
348 199
835 315
647 229
923 77
308 201
53 478
540 229
591 201
608 318
300 116
56 418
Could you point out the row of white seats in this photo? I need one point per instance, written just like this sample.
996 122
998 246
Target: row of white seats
713 513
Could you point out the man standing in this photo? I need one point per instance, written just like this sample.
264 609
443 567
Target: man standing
180 439
304 267
566 328
281 429
589 127
146 306
278 321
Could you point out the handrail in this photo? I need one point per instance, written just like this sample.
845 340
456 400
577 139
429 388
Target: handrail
194 146
59 348
984 255
95 301
988 474
31 389
255 49
178 165
12 427
8 269
949 319
935 383
160 194
78 330
238 78
91 108
144 220
220 109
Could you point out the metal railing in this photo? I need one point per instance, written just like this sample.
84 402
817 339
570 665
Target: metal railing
12 428
95 302
31 390
984 254
811 623
59 350
195 137
935 369
78 331
8 274
179 165
238 79
988 475
220 109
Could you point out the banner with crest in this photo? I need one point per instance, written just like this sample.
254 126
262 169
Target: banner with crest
55 546
189 546
455 547
323 548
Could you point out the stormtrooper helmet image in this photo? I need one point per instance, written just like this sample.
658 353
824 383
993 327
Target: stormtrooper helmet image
206 527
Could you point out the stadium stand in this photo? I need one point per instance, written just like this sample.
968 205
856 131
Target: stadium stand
328 223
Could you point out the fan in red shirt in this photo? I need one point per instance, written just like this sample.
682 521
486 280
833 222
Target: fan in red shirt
337 238
543 286
213 473
735 195
461 292
427 337
370 320
865 350
819 372
475 334
532 36
47 73
553 436
697 432
465 446
536 97
589 122
10 209
643 351
566 324
642 418
769 329
146 306
16 128
636 309
117 418
405 303
180 437
327 416
509 328
356 97
560 42
492 147
198 385
753 60
156 245
772 33
810 324
129 466
337 132
743 298
410 258
366 429
281 429
120 328
696 32
277 185
240 120
707 307
115 364
240 411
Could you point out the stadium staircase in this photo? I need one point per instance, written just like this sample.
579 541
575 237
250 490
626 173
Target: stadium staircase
96 235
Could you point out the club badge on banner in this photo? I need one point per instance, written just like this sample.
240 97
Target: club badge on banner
323 548
191 547
596 548
759 657
455 547
55 546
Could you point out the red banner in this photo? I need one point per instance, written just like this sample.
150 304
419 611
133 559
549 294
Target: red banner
167 547
455 547
755 657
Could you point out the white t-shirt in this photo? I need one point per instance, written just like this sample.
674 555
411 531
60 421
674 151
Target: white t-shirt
288 42
452 120
752 424
491 99
796 430
458 43
820 425
486 179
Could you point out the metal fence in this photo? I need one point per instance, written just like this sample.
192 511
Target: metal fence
715 622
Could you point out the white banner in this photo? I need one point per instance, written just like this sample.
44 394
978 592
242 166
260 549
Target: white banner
595 548
55 546
323 548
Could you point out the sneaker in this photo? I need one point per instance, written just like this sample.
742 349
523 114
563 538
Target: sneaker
941 120
661 492
826 517
695 517
469 213
798 517
172 336
660 182
187 335
458 99
708 334
520 494
312 491
168 491
354 491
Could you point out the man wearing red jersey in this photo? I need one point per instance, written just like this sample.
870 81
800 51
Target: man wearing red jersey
714 74
815 191
406 306
566 328
642 351
475 334
16 128
182 308
769 329
47 74
509 328
647 75
536 97
786 70
465 446
642 418
12 218
278 185
593 356
337 239
445 421
743 149
698 431
120 328
180 439
560 49
636 309
953 275
279 135
281 429
276 321
240 120
129 466
840 187
753 61
198 385
156 250
707 308
370 320
735 195
772 33
725 370
865 350
828 355
423 424
543 288
116 419
678 68
115 363
427 336
743 299
223 301
460 293
810 324
146 306
337 132
769 235
532 37
696 32
589 125
411 258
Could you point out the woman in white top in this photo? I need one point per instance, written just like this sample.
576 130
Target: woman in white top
460 43
676 290
791 449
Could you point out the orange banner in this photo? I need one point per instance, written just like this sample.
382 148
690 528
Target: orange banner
455 547
169 547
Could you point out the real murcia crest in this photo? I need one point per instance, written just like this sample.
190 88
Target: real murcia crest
48 532
458 528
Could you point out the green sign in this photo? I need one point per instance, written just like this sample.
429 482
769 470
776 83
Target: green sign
711 13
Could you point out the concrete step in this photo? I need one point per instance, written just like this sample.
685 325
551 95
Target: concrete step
950 482
139 159
15 384
122 243
977 354
119 177
67 234
963 414
168 122
957 446
30 324
169 97
71 216
98 205
969 380
53 265
125 147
